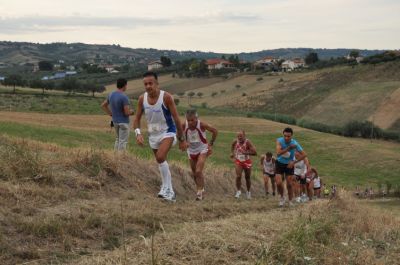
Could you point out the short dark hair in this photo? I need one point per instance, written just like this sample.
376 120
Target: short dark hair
268 154
121 82
191 112
150 73
288 130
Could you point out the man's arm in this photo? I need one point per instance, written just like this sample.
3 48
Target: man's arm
136 122
170 104
233 148
252 150
128 111
105 108
211 129
280 150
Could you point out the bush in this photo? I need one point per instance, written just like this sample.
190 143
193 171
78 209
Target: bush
244 94
204 105
176 100
223 91
260 79
238 86
365 129
214 94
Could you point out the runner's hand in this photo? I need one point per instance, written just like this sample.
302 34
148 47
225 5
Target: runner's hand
140 140
209 150
291 164
183 145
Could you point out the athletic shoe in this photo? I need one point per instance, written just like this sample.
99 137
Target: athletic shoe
199 196
248 195
238 193
162 193
170 196
298 199
273 193
282 202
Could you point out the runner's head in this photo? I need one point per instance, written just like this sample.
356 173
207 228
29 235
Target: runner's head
268 156
122 84
150 81
241 136
287 134
191 117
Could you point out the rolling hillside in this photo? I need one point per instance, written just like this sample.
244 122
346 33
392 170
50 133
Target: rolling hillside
330 96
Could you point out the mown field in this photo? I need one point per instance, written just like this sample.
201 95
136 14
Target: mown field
340 160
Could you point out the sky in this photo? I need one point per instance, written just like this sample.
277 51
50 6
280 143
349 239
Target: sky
226 26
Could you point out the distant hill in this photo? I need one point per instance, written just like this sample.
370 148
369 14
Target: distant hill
15 53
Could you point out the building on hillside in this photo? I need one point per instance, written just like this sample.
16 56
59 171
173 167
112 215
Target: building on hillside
290 65
359 59
71 72
59 75
154 65
213 64
266 63
2 78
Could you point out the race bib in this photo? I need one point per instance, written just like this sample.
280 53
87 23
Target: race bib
193 137
154 127
241 158
286 155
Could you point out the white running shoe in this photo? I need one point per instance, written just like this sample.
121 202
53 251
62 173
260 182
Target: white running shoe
298 199
199 195
162 193
248 195
238 193
282 202
170 196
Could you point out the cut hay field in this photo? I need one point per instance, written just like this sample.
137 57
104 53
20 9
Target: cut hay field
83 206
340 160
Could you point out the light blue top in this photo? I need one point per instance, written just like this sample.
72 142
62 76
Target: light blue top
117 100
288 156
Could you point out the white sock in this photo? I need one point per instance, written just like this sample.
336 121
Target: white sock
163 181
166 174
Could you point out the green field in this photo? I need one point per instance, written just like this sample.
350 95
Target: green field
340 160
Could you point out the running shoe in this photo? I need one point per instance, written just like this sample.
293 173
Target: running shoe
199 196
162 193
238 193
170 196
282 202
248 195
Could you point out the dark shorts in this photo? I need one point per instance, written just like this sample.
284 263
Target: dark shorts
269 175
302 181
282 169
317 188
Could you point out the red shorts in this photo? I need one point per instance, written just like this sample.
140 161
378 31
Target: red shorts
244 164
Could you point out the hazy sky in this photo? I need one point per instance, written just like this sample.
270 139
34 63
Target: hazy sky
206 25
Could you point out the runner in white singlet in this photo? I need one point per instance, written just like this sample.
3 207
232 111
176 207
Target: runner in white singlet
268 168
198 147
163 124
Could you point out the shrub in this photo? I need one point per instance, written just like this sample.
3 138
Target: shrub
238 86
244 94
260 79
214 94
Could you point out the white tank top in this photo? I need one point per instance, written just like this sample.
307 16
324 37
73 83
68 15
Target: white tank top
269 166
197 139
317 182
158 116
300 168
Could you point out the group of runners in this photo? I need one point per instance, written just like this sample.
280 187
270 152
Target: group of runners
291 166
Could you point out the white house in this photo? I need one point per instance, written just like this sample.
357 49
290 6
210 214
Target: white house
154 65
213 64
290 65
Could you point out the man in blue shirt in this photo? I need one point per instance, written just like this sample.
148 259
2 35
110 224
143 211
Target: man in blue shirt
117 106
285 150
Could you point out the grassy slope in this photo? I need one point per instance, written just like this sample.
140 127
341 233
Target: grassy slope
340 160
79 206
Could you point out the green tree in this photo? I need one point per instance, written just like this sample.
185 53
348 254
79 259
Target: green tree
165 61
354 54
14 80
45 66
200 94
311 58
70 84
